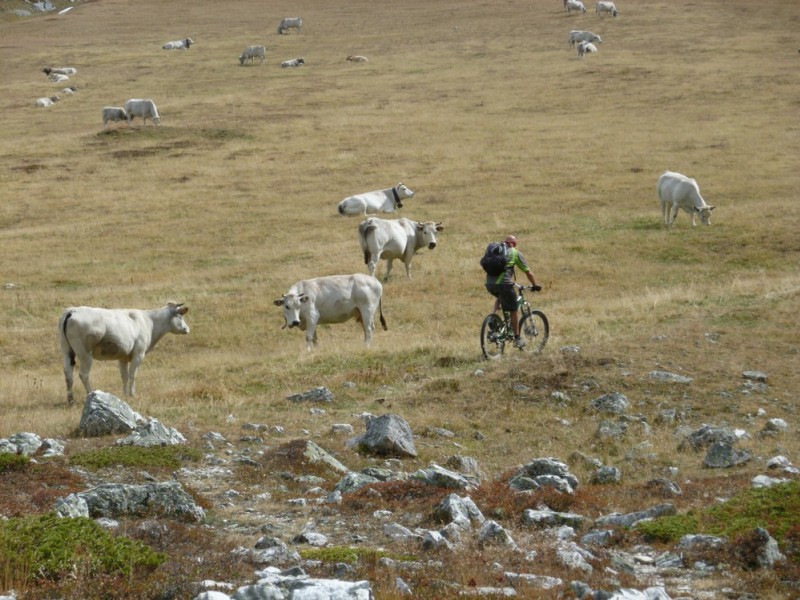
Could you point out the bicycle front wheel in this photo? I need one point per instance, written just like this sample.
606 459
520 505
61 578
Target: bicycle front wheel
536 329
492 339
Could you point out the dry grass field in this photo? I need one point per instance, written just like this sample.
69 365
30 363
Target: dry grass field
484 110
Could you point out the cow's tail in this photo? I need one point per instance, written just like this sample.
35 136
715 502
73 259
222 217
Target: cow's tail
380 311
365 229
65 345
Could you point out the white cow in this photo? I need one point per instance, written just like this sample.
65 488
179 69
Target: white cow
676 191
47 101
586 47
396 238
121 334
288 23
605 7
143 108
294 62
70 90
380 200
178 44
253 52
576 5
357 59
332 299
59 70
576 36
57 78
113 113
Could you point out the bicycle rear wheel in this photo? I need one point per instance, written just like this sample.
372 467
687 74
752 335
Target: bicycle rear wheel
492 339
536 329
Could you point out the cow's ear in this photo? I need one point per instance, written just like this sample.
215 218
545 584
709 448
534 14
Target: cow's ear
279 301
303 298
420 226
439 226
182 310
711 207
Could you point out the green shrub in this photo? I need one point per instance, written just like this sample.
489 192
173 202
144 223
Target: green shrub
669 529
49 547
170 457
12 462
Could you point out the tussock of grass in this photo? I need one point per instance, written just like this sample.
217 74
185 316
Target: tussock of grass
168 457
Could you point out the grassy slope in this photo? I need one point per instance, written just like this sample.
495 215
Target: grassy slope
483 110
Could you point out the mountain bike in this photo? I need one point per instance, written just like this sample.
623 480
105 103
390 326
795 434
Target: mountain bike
533 325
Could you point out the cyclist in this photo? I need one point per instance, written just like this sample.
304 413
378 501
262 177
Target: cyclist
502 286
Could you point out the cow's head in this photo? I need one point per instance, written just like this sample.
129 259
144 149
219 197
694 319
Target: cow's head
705 214
426 234
176 322
292 305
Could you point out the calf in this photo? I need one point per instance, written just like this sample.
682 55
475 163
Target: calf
391 239
676 191
333 299
121 334
113 113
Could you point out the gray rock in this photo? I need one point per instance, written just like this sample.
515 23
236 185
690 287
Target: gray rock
541 582
26 443
548 466
550 518
52 447
521 483
707 435
458 510
759 376
466 465
763 481
311 538
353 481
317 394
167 498
71 507
492 533
441 477
342 429
400 533
775 426
651 593
614 403
767 552
722 455
574 557
611 429
598 538
387 435
153 433
105 414
433 540
669 377
607 475
701 542
554 481
319 457
630 519
664 487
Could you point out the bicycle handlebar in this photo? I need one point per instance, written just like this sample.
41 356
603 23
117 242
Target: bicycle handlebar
530 288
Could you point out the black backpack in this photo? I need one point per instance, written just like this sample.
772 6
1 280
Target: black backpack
495 259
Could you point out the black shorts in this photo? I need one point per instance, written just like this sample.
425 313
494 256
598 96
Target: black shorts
506 293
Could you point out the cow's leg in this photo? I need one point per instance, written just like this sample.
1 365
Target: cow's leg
673 214
130 388
69 367
368 322
407 262
372 265
693 213
389 262
85 365
123 372
311 335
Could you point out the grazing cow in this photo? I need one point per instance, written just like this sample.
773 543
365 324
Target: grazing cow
288 23
676 191
391 239
605 7
144 108
294 62
586 47
379 200
113 113
121 334
575 5
253 52
178 44
332 299
576 36
59 70
47 101
357 59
